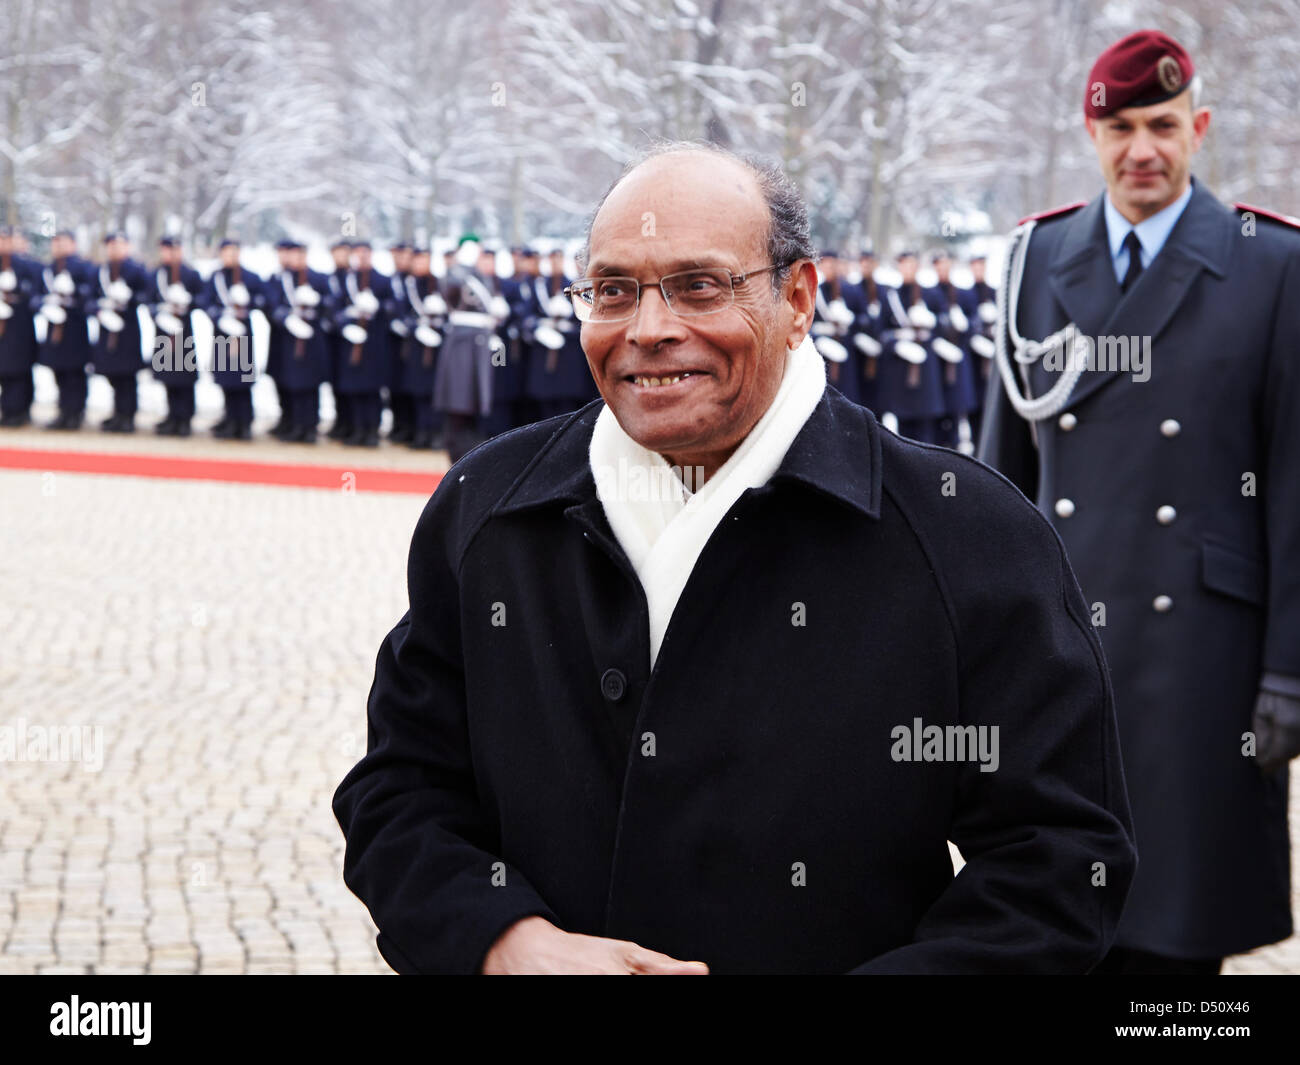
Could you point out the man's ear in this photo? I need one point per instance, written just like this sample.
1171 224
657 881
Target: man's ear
801 301
1200 124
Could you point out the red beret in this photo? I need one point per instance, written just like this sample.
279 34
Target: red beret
1147 67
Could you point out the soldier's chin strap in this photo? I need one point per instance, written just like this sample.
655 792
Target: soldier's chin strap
1068 340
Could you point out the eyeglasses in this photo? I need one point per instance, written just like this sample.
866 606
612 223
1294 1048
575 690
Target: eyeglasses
690 293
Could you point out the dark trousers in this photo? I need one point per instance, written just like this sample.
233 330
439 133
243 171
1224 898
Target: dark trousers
16 392
303 408
426 418
72 392
180 403
976 419
1124 962
342 409
366 410
462 435
239 405
124 395
403 405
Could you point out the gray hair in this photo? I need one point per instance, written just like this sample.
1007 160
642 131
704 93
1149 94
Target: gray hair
788 235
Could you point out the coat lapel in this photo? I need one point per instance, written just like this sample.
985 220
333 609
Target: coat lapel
1083 279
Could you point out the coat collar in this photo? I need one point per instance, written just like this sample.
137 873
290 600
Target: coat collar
1083 278
837 453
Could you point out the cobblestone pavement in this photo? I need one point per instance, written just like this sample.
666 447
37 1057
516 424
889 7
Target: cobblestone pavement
212 646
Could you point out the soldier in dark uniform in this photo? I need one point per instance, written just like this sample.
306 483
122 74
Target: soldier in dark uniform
66 286
176 286
909 389
229 299
1146 398
275 340
559 379
297 301
122 285
525 311
833 320
950 343
19 285
364 368
341 253
981 307
867 328
401 402
425 315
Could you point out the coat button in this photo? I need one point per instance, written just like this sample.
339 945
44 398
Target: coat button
1064 508
613 685
1067 421
1166 515
1162 604
1170 427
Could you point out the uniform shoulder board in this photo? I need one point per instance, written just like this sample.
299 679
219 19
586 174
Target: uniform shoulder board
1285 219
1053 212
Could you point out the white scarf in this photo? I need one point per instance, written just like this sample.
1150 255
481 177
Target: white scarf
660 524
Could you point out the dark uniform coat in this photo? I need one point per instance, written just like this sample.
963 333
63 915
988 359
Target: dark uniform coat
513 708
464 375
418 363
303 363
214 302
18 332
1147 483
67 345
366 367
846 376
120 354
183 368
959 394
907 390
560 375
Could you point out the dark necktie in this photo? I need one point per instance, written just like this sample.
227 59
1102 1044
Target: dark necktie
1134 260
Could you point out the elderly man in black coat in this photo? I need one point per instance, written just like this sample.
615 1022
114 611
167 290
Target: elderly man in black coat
1164 450
703 677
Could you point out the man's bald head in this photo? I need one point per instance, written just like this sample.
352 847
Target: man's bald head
783 233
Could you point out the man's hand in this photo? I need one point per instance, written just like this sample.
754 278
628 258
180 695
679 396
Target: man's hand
533 946
1277 729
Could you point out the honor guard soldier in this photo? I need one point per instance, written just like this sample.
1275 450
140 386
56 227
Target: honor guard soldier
426 317
981 306
909 389
66 287
176 287
462 388
275 339
833 320
229 299
362 322
297 301
402 403
123 284
341 253
559 379
867 334
951 344
526 312
19 285
1146 398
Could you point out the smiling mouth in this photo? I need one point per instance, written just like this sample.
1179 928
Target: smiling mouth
644 381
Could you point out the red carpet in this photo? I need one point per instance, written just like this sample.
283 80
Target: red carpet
335 478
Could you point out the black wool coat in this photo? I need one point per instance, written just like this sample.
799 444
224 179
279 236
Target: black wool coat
741 803
1178 502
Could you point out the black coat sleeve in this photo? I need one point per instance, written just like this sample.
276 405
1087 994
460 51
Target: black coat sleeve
421 851
1047 836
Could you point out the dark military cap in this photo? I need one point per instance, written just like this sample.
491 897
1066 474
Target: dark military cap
979 257
284 244
114 234
229 242
359 244
907 253
830 253
169 242
1144 68
867 253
